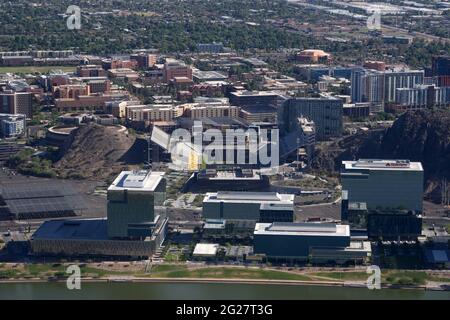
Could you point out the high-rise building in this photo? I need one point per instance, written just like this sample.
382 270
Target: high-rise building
132 199
135 228
384 184
400 79
144 60
16 103
325 112
174 68
12 125
380 86
441 66
422 96
441 70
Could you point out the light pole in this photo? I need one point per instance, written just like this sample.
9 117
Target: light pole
148 163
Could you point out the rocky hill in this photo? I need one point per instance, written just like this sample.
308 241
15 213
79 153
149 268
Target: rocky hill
422 135
99 152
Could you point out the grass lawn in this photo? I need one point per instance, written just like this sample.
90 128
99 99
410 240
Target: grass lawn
170 257
406 277
174 271
33 69
438 278
343 275
44 271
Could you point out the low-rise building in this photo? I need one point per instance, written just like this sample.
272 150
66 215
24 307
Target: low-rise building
212 180
89 237
259 206
126 74
209 110
205 250
316 242
201 76
88 102
313 56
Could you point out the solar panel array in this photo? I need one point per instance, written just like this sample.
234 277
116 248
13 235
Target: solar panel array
40 198
35 190
35 205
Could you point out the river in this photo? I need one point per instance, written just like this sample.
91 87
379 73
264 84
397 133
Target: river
173 290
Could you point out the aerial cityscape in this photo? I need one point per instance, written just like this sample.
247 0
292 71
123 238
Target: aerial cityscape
227 149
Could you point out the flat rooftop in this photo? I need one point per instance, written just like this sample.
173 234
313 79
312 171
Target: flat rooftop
254 93
216 224
82 229
246 197
206 249
302 229
208 74
43 197
379 164
141 180
231 175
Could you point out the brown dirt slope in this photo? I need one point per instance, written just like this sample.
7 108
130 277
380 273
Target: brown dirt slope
96 152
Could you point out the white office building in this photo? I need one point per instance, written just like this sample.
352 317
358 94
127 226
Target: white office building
12 125
259 206
384 184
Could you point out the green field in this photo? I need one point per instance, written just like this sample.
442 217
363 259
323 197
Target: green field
45 271
33 69
174 271
343 275
180 271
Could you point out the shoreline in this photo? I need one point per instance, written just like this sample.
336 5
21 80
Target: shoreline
348 284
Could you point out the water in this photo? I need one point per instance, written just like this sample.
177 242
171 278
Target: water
104 290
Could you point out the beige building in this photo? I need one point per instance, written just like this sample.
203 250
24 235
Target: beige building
210 110
153 112
89 102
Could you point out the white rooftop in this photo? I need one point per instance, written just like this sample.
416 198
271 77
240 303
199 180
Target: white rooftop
378 164
252 197
142 180
231 175
302 229
206 249
247 93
